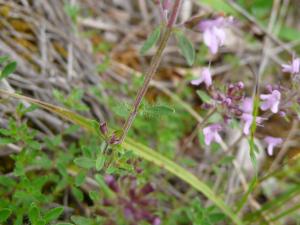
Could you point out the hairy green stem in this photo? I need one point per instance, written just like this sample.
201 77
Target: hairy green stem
152 70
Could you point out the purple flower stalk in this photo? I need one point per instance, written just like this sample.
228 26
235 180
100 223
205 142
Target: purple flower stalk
272 142
271 101
213 32
211 133
205 77
292 68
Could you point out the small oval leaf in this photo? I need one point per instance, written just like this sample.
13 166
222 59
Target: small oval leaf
34 213
8 69
53 214
187 48
100 162
151 40
204 97
84 162
158 111
4 214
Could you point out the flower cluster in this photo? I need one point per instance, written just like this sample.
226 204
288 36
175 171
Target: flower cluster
134 202
233 101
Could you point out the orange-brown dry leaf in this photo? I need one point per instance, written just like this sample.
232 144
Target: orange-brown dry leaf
60 49
130 58
26 44
20 25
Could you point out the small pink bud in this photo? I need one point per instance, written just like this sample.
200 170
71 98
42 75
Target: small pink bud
103 128
282 113
114 140
240 85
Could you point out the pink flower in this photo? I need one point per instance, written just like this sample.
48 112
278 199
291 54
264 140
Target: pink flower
271 101
205 77
211 133
272 142
213 32
247 117
293 68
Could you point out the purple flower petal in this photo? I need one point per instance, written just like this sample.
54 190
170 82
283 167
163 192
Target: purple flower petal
271 101
272 142
213 32
293 68
247 105
211 134
207 77
197 82
204 77
247 118
211 41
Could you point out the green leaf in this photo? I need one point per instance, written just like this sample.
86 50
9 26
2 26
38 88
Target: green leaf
72 11
204 97
103 186
214 218
77 193
8 69
4 214
94 195
151 40
219 5
157 111
79 220
79 179
100 162
5 141
85 162
34 213
187 48
289 34
7 181
53 214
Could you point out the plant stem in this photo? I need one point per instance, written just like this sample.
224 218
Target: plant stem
152 69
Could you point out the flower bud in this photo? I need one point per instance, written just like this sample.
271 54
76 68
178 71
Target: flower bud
103 128
147 189
111 183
